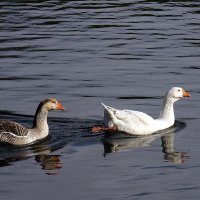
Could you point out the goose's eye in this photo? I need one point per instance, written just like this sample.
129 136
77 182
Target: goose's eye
179 90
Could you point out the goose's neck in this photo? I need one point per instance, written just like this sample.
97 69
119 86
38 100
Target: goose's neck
40 120
167 110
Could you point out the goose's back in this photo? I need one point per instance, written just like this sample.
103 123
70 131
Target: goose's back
7 126
13 133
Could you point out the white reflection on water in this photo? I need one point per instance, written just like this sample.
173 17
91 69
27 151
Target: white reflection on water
119 143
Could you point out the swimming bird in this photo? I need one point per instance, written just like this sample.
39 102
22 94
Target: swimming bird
16 134
139 123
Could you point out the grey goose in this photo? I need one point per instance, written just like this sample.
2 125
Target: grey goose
16 134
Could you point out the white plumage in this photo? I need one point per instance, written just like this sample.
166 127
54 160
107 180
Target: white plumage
139 123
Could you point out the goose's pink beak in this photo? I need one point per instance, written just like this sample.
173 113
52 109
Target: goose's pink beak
60 106
186 93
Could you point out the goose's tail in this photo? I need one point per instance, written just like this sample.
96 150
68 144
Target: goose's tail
108 108
108 115
108 120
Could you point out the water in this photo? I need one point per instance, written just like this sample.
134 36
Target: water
124 53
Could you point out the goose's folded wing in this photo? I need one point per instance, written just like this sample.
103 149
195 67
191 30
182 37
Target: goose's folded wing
129 116
13 128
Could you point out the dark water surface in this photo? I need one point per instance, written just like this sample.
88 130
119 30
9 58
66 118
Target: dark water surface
123 53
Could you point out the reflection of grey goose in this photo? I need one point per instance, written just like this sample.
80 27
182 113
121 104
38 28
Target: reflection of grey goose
139 123
14 133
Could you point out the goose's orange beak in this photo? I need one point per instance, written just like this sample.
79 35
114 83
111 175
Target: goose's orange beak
60 106
186 93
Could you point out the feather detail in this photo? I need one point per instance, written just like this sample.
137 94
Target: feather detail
13 127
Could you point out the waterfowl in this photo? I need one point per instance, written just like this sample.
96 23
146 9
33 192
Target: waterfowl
16 134
139 123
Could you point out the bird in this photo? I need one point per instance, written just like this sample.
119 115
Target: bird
138 123
16 134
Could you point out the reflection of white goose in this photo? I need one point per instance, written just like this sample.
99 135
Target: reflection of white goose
123 144
169 150
139 123
112 144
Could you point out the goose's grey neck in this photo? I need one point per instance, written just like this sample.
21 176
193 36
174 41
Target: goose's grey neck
40 119
167 110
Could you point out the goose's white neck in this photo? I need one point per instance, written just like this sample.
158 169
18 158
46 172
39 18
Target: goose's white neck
167 111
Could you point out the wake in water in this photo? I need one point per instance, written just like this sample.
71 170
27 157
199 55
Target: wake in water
62 132
65 131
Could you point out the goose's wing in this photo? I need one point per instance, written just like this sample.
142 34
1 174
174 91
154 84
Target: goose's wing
129 121
127 116
10 127
133 117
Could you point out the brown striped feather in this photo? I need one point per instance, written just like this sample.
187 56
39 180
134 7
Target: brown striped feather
13 127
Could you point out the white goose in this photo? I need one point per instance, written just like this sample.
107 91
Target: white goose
139 123
16 134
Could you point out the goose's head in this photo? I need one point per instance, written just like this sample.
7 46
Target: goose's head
177 92
51 104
